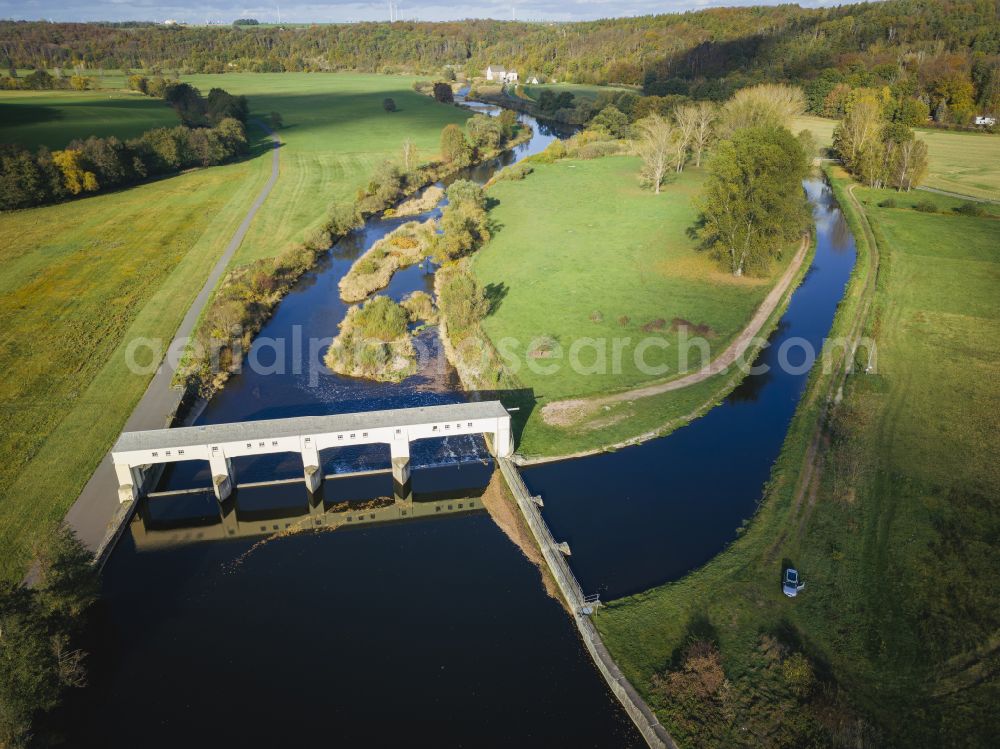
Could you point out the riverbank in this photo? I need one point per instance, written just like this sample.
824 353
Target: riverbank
248 295
856 502
631 267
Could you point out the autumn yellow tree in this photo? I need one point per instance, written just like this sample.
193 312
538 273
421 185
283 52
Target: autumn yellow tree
75 177
767 105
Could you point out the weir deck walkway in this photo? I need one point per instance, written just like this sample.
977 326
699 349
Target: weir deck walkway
136 453
581 608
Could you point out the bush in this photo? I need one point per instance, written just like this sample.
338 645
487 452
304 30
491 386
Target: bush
556 150
515 172
343 219
443 92
464 300
925 206
405 243
318 239
381 319
598 150
971 209
420 307
887 203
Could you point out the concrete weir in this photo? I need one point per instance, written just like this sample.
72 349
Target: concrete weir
135 452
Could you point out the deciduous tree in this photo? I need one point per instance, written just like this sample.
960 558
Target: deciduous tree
409 154
656 144
443 92
612 121
704 115
454 148
75 178
767 105
753 202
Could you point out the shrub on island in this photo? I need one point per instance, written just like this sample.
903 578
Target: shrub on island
406 246
374 343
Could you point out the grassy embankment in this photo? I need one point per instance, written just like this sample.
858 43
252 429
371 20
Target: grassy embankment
966 163
81 279
584 251
894 532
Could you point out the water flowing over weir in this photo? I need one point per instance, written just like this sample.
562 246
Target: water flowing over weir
434 627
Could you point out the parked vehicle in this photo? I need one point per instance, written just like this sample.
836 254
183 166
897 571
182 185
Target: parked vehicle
791 584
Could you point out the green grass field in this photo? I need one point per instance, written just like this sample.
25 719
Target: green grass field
898 619
78 281
581 245
81 279
54 118
336 132
966 163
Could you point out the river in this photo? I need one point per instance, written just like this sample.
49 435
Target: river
435 627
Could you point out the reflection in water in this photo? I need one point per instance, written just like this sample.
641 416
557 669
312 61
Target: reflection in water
397 633
157 522
754 384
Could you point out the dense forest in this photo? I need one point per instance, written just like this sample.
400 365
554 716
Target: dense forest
944 52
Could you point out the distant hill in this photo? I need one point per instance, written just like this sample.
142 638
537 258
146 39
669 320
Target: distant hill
943 51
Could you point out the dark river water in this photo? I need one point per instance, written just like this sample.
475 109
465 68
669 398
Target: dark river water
430 629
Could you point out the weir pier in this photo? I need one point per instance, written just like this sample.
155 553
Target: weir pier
136 453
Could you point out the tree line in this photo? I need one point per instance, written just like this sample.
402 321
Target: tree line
43 80
942 53
875 148
213 133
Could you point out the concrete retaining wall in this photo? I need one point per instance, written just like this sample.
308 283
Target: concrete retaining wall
640 713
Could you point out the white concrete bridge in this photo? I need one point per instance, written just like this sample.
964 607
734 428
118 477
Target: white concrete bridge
218 444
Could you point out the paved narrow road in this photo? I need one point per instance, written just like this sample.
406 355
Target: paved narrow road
94 515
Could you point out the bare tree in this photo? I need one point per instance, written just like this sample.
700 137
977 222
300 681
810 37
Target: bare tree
687 122
656 146
705 117
409 154
910 164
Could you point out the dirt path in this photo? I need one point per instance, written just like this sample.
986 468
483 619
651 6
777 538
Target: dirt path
568 412
807 488
96 514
